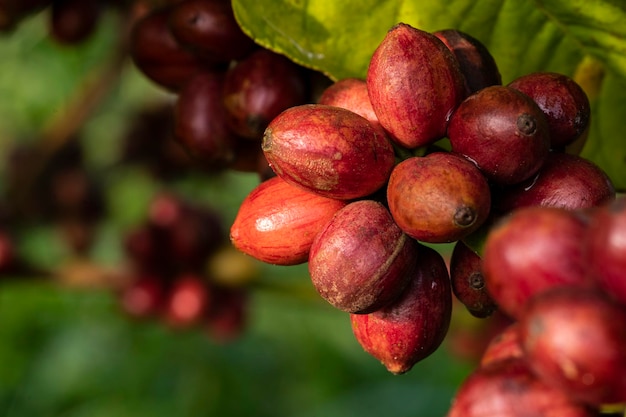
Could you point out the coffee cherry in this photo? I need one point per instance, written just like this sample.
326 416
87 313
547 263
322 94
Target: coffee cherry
574 340
328 150
504 346
605 248
413 326
200 121
158 55
414 84
531 250
277 222
176 237
165 210
186 235
209 29
510 389
562 100
564 180
258 88
503 132
440 197
351 94
361 260
187 300
468 281
73 21
144 296
478 66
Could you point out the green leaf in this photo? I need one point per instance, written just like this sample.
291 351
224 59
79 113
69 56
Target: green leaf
606 145
338 38
597 26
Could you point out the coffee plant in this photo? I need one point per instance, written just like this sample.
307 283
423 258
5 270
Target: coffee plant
420 163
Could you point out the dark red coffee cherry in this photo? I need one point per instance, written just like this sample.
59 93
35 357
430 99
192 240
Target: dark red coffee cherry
562 100
73 21
564 180
260 87
209 28
503 132
468 282
200 121
478 66
158 55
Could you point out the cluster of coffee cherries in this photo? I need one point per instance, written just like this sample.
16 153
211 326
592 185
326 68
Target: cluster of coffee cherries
70 21
172 277
559 275
57 192
226 87
429 148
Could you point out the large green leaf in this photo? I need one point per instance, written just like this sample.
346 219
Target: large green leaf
339 38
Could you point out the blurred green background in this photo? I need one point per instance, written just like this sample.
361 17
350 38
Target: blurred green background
68 351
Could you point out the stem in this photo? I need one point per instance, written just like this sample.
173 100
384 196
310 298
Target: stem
401 152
